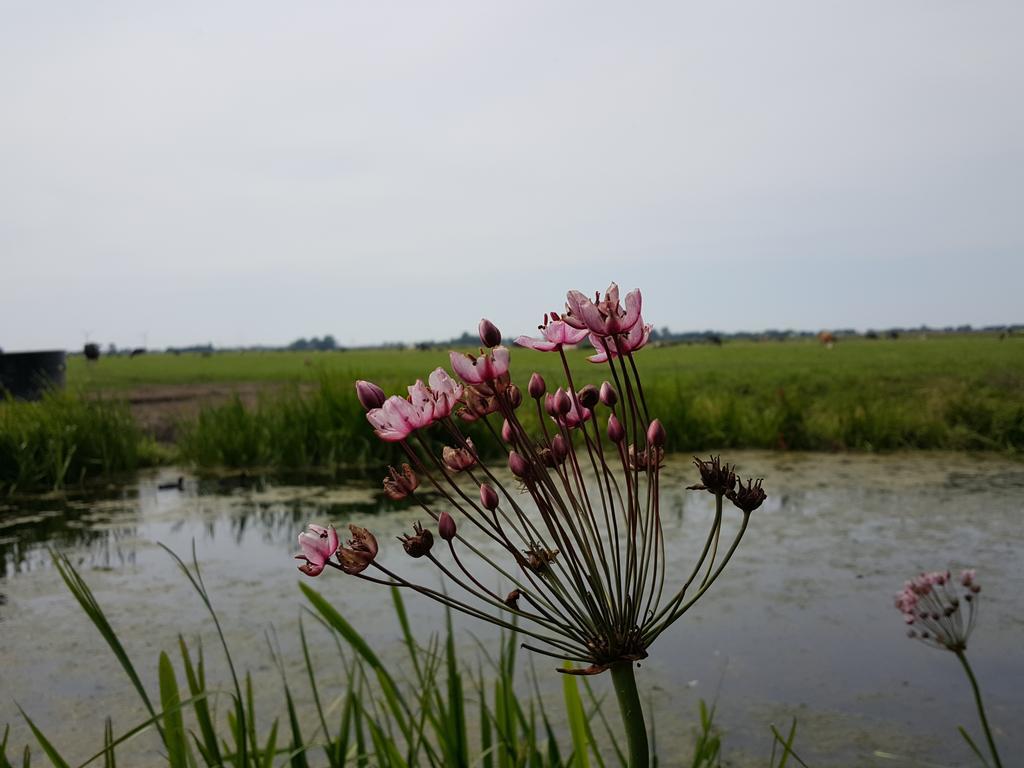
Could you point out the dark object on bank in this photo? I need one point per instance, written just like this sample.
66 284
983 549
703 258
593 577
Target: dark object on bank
91 351
137 351
894 334
27 375
177 485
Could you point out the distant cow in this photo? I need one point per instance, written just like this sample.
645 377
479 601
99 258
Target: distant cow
827 339
91 351
138 351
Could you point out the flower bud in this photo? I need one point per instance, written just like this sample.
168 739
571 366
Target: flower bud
561 402
537 387
446 526
616 432
559 448
588 396
608 395
515 396
490 336
506 431
656 434
519 466
370 395
488 497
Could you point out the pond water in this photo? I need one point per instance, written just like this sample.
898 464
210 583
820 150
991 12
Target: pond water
800 624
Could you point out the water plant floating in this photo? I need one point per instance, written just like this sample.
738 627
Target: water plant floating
585 557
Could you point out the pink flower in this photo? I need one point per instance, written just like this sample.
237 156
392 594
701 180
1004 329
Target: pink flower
554 335
399 416
603 317
479 370
446 391
458 459
637 338
318 546
394 420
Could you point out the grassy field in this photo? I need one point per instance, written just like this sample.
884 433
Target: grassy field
941 392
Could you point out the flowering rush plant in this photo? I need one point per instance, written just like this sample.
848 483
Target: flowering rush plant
576 535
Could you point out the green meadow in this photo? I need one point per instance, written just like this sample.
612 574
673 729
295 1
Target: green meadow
946 392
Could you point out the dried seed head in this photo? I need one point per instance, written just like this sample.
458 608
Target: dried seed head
398 485
355 556
588 396
370 395
539 558
748 497
419 543
488 497
512 600
716 478
458 459
446 526
537 386
490 336
608 396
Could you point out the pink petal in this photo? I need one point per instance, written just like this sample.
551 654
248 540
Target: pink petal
500 356
465 368
538 344
633 304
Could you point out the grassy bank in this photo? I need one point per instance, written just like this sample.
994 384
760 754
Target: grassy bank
65 439
944 392
951 393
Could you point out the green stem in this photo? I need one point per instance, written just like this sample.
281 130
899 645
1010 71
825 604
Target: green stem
632 714
981 709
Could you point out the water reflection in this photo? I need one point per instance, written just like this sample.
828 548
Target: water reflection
801 622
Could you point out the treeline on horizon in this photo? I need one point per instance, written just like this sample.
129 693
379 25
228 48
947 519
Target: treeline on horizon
663 335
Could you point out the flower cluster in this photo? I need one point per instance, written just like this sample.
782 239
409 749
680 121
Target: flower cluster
932 605
578 536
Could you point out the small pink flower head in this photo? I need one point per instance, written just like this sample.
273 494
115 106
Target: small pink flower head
935 607
356 556
490 336
369 394
519 466
399 484
537 386
318 545
608 395
616 432
656 434
483 369
967 577
555 334
637 338
446 526
458 459
604 317
488 497
446 392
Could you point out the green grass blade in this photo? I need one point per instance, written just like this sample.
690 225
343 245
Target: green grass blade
108 745
196 686
577 720
174 726
81 592
48 748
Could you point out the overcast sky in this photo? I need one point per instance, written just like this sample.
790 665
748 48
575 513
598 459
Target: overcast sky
242 173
